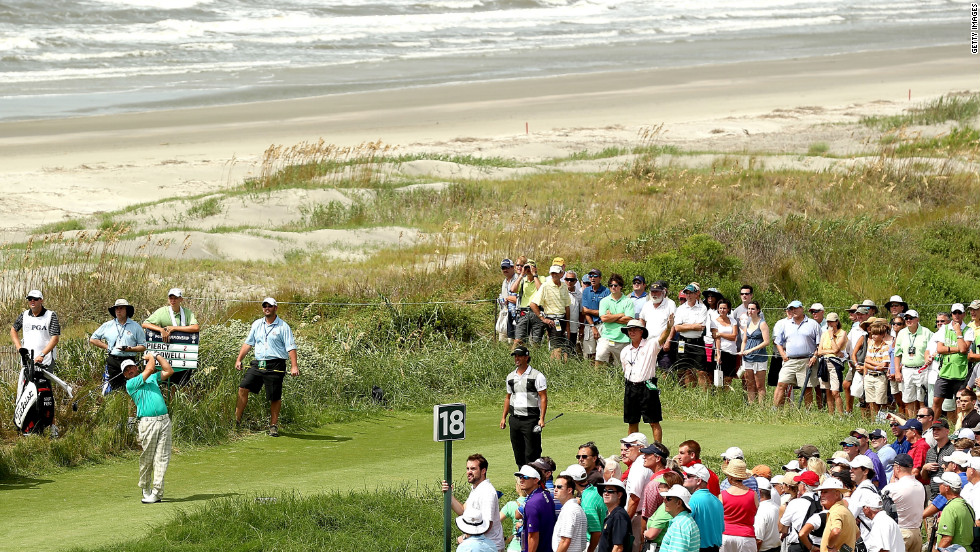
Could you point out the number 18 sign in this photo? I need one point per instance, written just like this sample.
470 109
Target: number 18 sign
449 422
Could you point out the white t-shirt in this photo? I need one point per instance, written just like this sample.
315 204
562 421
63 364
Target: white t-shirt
483 497
639 476
727 346
816 522
766 530
884 535
571 523
971 494
655 316
793 516
858 500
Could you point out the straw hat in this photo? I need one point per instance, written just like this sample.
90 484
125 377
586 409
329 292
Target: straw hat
736 469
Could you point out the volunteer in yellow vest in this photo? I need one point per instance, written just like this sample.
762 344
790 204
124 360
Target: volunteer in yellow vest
174 318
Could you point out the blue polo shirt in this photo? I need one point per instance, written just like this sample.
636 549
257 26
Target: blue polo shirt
271 341
709 514
799 340
591 298
116 335
539 517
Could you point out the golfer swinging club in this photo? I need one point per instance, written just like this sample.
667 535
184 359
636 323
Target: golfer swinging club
273 341
155 431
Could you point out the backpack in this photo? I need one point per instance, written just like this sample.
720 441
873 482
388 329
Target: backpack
888 505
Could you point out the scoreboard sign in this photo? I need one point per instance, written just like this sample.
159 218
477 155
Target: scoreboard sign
181 352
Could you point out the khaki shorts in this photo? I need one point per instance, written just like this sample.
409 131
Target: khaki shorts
607 348
876 388
794 372
832 383
588 341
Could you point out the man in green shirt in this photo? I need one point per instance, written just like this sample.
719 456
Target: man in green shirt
155 433
956 522
953 351
615 310
173 318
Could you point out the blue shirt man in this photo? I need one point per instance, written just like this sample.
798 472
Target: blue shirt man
539 517
799 339
593 294
706 508
271 340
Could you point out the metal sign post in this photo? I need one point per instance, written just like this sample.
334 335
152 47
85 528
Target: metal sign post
448 425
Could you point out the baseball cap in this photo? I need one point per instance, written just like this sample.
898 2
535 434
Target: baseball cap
654 448
35 293
966 433
763 483
863 310
640 279
911 313
699 471
177 292
862 461
850 441
959 457
833 317
853 308
941 422
693 287
270 301
840 462
576 472
904 460
816 307
913 424
975 304
595 272
528 471
520 351
794 305
555 269
975 462
808 451
762 470
126 363
506 263
877 434
948 478
792 465
957 307
808 478
635 439
558 261
732 453
860 431
659 285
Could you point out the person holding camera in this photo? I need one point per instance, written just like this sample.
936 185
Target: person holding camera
123 338
525 286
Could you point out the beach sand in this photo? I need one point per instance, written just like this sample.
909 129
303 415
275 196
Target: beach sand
74 167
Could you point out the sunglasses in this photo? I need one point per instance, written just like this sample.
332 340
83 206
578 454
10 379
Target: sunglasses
524 477
581 456
33 298
571 280
559 487
610 490
745 294
898 323
896 425
921 415
616 285
848 446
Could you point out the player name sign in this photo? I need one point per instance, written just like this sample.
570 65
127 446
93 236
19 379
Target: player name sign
181 352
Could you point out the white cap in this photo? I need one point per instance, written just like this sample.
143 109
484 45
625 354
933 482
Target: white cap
35 293
635 439
862 461
873 501
613 482
776 480
975 462
528 471
957 307
966 433
959 457
763 483
679 492
576 472
792 465
816 307
840 462
911 313
949 478
176 292
831 484
556 269
732 453
699 471
269 300
126 364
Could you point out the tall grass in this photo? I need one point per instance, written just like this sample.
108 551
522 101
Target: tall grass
951 107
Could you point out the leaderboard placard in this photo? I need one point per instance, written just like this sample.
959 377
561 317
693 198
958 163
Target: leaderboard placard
181 352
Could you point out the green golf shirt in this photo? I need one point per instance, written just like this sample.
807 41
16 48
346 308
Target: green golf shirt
957 521
919 341
595 508
612 330
146 394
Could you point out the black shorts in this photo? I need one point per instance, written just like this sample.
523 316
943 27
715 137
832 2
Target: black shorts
639 401
947 388
729 364
271 376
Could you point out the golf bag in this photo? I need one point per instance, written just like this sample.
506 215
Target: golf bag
34 404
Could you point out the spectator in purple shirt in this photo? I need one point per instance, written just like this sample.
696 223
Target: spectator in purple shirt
539 512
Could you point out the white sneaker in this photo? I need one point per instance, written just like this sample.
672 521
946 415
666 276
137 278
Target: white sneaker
150 498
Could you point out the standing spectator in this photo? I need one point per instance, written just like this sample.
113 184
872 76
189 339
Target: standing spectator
796 342
474 527
655 458
483 497
527 329
740 504
636 483
795 513
638 295
746 294
639 362
660 518
551 304
526 403
886 454
155 431
514 510
683 534
615 311
918 448
592 504
570 533
539 512
731 454
755 339
725 347
864 490
911 370
273 341
693 325
123 338
688 455
174 318
895 306
818 315
957 521
830 369
591 297
841 528
706 508
507 301
933 358
858 315
909 497
876 364
575 328
657 311
616 531
766 524
41 329
588 458
953 350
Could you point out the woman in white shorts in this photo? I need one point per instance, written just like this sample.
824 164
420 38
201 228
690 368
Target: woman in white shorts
755 339
876 366
831 364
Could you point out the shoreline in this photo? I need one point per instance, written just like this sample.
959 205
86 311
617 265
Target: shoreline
84 165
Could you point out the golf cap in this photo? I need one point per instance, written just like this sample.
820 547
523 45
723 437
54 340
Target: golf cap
762 470
860 431
35 293
270 301
863 310
840 462
678 491
595 272
558 261
176 292
833 317
794 305
471 522
763 483
913 424
635 439
126 364
640 279
850 441
657 449
506 263
808 478
556 269
659 285
520 351
940 423
693 287
576 472
778 480
966 433
816 307
862 461
528 471
830 484
959 457
853 308
975 463
911 313
733 453
542 466
957 307
904 460
974 305
948 478
869 303
877 434
873 502
792 465
616 483
808 451
698 471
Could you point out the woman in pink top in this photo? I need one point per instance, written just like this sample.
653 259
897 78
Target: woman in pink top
740 504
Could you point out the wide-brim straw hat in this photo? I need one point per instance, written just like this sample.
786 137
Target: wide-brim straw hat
736 469
122 303
635 324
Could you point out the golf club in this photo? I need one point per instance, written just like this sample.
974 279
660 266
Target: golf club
537 428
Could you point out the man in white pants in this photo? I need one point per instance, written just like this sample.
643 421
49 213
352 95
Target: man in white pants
155 431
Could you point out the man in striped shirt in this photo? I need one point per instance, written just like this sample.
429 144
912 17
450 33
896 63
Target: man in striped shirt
683 534
526 403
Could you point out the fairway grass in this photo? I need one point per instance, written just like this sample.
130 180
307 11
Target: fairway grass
98 506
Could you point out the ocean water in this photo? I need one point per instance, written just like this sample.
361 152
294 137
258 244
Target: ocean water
63 58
